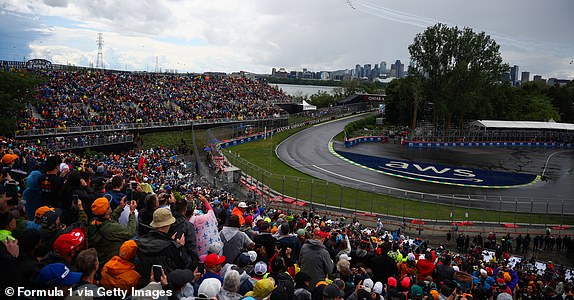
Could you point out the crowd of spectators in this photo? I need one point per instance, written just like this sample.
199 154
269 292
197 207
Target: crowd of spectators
85 98
139 225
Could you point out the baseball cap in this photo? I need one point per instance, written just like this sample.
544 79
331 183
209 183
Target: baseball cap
100 206
504 296
332 291
406 282
243 260
128 250
57 274
344 256
162 217
378 288
260 268
319 234
417 291
368 284
242 205
49 217
392 282
41 210
214 260
252 255
66 243
209 288
9 158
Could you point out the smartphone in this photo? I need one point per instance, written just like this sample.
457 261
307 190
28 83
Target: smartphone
201 268
157 272
134 184
75 200
129 195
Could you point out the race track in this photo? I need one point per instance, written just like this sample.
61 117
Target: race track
308 151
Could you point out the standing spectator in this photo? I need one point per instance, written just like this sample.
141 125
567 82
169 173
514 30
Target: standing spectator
117 184
213 265
33 194
151 203
182 227
234 241
239 211
158 248
51 184
105 233
87 263
206 228
266 240
385 266
119 272
57 275
314 259
288 240
230 287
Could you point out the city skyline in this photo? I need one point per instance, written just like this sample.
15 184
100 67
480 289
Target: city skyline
255 36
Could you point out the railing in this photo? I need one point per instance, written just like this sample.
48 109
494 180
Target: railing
74 143
43 132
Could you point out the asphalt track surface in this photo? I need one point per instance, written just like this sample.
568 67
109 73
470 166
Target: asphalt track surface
308 151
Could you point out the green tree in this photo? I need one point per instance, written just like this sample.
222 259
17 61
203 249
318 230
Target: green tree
458 65
322 99
16 91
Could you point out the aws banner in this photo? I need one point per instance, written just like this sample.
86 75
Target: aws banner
441 174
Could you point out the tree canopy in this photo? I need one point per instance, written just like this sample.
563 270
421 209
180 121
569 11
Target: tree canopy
16 91
456 76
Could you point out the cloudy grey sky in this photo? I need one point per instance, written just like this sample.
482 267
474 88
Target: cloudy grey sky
256 35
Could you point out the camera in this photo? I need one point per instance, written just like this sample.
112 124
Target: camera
11 188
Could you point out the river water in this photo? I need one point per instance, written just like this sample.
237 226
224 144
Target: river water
303 90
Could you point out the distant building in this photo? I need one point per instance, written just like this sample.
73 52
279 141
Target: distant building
281 73
514 75
537 78
525 77
367 71
397 69
383 67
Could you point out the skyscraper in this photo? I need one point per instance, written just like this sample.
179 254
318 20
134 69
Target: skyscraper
514 75
525 77
367 71
397 69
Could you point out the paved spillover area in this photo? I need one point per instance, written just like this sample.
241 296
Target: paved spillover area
508 174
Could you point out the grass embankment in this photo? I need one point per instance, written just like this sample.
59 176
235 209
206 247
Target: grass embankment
260 155
172 139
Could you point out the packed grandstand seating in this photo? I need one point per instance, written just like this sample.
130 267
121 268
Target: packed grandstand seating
109 221
85 98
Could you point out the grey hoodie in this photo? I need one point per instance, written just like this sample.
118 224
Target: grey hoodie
315 261
234 243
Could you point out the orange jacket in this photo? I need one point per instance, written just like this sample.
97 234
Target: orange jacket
119 273
236 211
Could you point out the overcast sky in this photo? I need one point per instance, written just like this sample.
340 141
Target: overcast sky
255 36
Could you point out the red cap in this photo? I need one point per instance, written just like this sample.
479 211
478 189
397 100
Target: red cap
213 260
319 234
392 282
67 242
249 219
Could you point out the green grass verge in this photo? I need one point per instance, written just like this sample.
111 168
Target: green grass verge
172 139
257 158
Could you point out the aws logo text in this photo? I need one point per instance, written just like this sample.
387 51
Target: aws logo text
430 172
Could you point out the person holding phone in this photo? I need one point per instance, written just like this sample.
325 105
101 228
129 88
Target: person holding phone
157 247
105 233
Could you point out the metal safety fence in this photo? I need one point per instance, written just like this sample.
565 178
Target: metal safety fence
388 201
